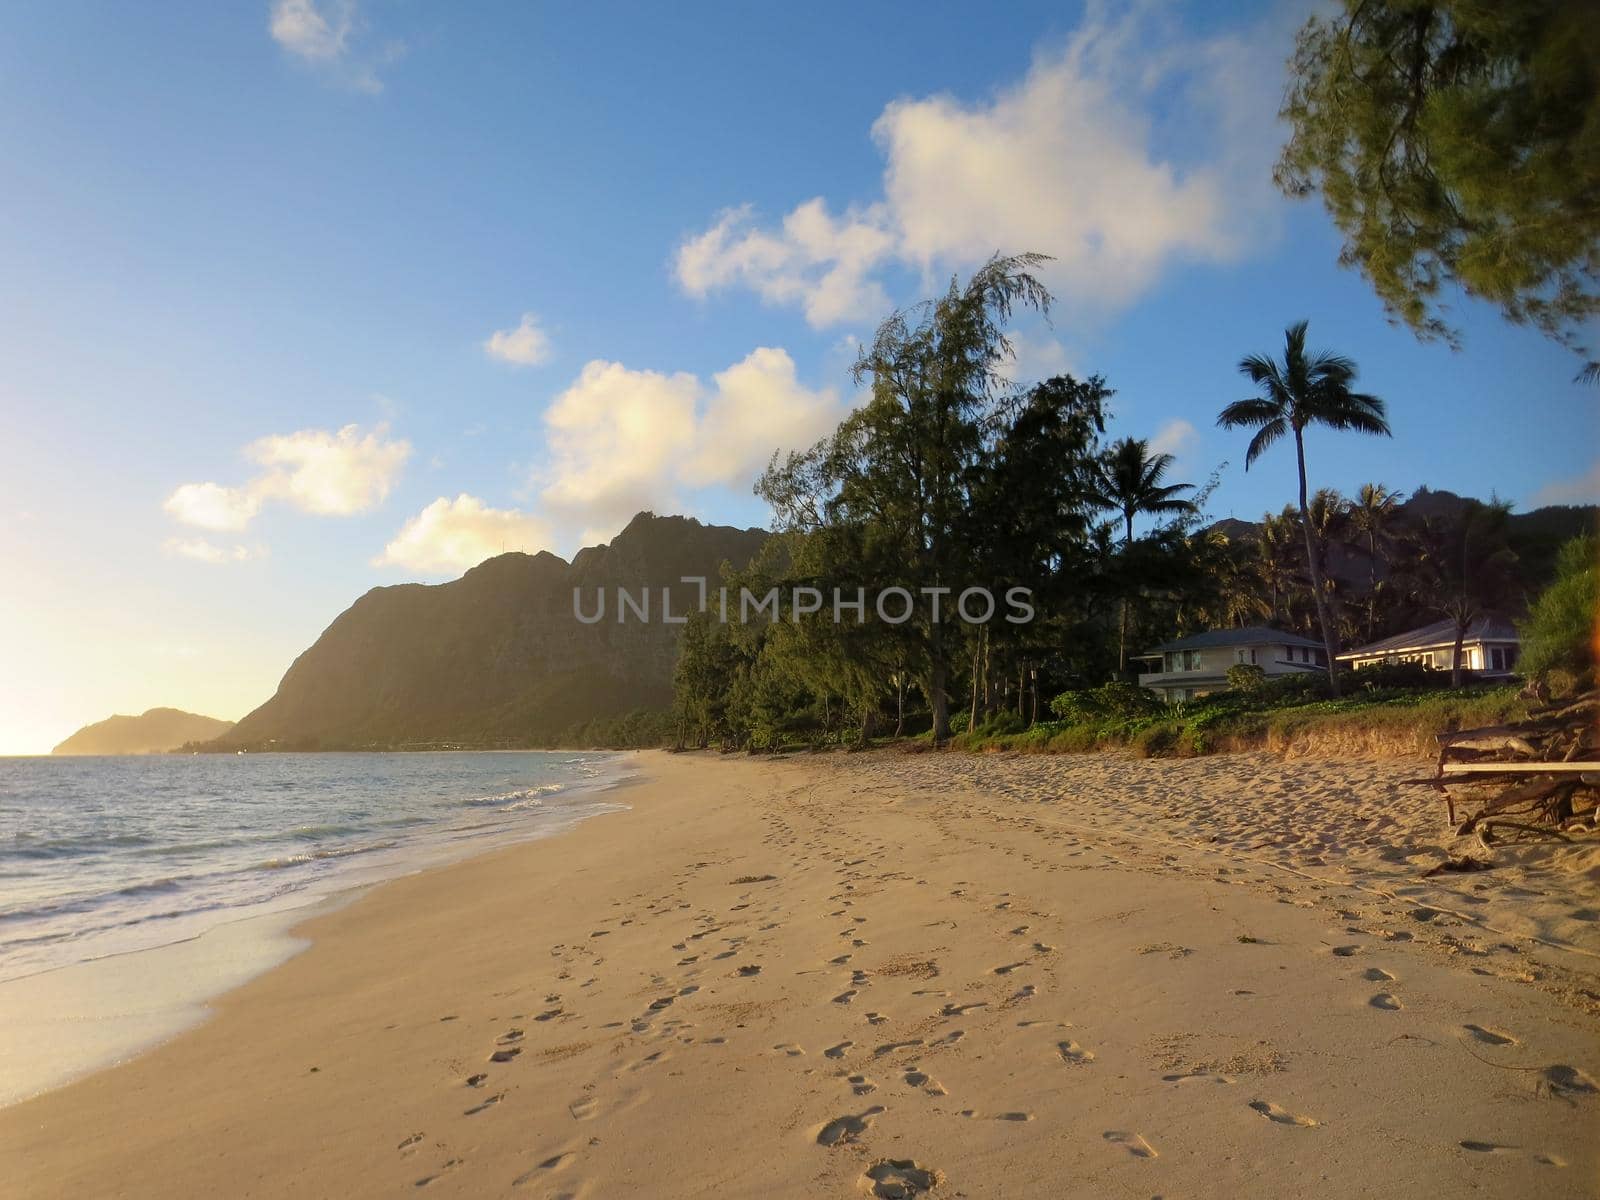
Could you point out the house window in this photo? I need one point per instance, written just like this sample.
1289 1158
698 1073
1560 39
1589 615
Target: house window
1191 660
1503 658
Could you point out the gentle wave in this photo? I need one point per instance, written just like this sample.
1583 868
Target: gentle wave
111 855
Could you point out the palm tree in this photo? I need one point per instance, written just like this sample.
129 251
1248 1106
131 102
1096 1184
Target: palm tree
1130 483
1464 568
1277 560
1304 389
1371 515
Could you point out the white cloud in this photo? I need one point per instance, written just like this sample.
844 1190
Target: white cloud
1069 162
205 551
1176 437
814 260
757 406
616 438
1036 357
214 507
331 474
623 440
1581 489
329 35
525 346
454 535
317 471
302 28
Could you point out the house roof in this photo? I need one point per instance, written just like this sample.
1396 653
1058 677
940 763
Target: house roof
1487 628
1255 635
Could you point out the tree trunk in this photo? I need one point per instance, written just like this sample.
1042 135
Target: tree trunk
900 704
938 700
1312 560
1455 658
1122 618
977 665
1372 582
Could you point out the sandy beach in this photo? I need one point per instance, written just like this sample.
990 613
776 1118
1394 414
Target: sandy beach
891 974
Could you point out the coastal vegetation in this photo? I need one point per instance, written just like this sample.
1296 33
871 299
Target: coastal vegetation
952 476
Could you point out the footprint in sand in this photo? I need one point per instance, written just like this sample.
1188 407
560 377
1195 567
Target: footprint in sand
476 1080
838 1051
505 1056
1565 1081
1007 968
409 1145
956 1010
862 1085
556 1162
921 1079
1480 1147
901 1178
845 997
1133 1143
487 1104
1074 1054
974 1115
1200 1076
891 1047
1377 975
1282 1116
1490 1037
1386 1002
1346 951
584 1110
876 1018
846 1129
790 1049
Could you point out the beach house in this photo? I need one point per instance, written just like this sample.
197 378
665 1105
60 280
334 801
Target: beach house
1490 647
1196 665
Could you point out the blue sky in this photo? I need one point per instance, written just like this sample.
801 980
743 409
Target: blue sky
231 232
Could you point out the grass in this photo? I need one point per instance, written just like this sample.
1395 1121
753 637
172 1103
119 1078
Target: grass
1391 722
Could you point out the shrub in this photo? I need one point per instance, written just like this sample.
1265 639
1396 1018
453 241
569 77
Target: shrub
1397 675
1126 701
1155 741
1076 708
1299 688
1559 634
1246 677
1002 723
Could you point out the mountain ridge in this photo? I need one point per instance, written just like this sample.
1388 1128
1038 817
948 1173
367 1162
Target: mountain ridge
496 658
154 731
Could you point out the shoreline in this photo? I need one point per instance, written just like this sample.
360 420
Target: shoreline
778 977
56 1026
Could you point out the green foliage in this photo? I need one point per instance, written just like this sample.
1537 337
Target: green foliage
1110 702
1560 633
1456 141
1246 677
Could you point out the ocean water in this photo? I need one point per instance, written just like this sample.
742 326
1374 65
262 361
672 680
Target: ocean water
101 857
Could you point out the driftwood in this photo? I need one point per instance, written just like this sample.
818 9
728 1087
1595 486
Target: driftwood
1537 776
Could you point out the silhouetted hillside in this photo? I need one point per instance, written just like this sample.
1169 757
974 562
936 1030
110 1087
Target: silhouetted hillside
152 732
497 657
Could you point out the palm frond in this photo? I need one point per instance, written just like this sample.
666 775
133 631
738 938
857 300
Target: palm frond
1268 433
1249 413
